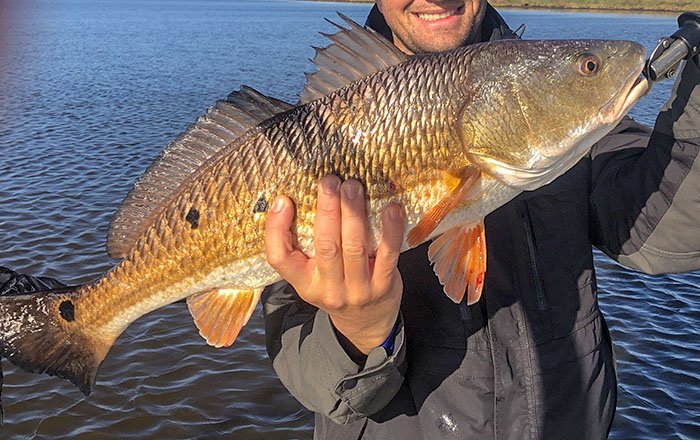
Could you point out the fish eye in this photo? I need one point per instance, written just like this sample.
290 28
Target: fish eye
588 64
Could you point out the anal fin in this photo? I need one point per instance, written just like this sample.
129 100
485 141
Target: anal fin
459 258
220 314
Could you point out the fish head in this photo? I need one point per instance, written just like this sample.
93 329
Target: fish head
553 101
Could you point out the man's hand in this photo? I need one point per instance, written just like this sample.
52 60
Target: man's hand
361 294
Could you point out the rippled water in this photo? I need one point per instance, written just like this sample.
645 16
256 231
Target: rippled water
89 94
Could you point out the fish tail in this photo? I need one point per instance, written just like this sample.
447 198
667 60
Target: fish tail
42 333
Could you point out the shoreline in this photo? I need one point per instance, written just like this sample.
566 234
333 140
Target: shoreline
585 8
642 6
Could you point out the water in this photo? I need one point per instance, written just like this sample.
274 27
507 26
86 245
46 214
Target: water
92 91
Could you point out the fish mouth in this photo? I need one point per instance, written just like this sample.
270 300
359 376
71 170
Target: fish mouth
618 106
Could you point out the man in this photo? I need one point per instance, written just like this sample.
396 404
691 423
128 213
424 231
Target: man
375 349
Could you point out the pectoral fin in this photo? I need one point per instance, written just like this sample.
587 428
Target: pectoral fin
459 258
421 232
220 314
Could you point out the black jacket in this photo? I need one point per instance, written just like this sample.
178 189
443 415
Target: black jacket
533 358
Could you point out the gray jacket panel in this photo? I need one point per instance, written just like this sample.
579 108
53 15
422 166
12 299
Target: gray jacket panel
662 237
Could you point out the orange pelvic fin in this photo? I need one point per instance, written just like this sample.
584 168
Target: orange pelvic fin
421 232
220 314
459 258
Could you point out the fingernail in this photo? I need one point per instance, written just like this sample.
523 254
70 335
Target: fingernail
330 185
278 204
351 190
394 212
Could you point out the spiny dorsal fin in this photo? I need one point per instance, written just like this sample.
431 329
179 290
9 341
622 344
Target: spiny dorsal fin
353 54
217 128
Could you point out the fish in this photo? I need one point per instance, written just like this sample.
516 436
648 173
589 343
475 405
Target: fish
450 136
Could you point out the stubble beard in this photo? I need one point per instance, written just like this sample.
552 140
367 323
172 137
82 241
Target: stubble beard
436 45
439 43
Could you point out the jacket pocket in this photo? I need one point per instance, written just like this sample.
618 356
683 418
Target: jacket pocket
556 260
535 269
576 385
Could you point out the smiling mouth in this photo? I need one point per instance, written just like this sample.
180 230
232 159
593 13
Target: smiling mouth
438 16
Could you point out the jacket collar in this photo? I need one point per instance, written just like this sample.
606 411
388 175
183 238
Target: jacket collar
493 27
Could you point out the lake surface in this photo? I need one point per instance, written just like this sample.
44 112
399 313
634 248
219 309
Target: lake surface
90 92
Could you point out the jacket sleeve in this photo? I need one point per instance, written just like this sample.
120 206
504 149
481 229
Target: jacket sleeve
645 193
311 362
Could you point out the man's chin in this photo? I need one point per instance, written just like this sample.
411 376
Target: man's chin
438 44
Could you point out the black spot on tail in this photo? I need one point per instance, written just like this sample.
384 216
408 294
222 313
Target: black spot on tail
37 339
67 310
193 218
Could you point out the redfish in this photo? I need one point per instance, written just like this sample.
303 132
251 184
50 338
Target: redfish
449 136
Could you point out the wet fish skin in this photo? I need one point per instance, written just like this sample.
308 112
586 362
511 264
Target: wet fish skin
508 109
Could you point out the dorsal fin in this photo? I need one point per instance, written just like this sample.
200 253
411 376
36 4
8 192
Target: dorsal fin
217 128
353 54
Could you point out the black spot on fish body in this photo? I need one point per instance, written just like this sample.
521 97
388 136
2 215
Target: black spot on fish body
260 205
193 218
67 310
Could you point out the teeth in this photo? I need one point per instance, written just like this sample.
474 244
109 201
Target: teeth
433 17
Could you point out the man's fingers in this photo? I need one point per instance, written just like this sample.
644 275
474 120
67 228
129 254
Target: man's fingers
389 246
354 236
327 244
290 263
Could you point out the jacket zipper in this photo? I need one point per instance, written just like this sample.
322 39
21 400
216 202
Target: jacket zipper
532 251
